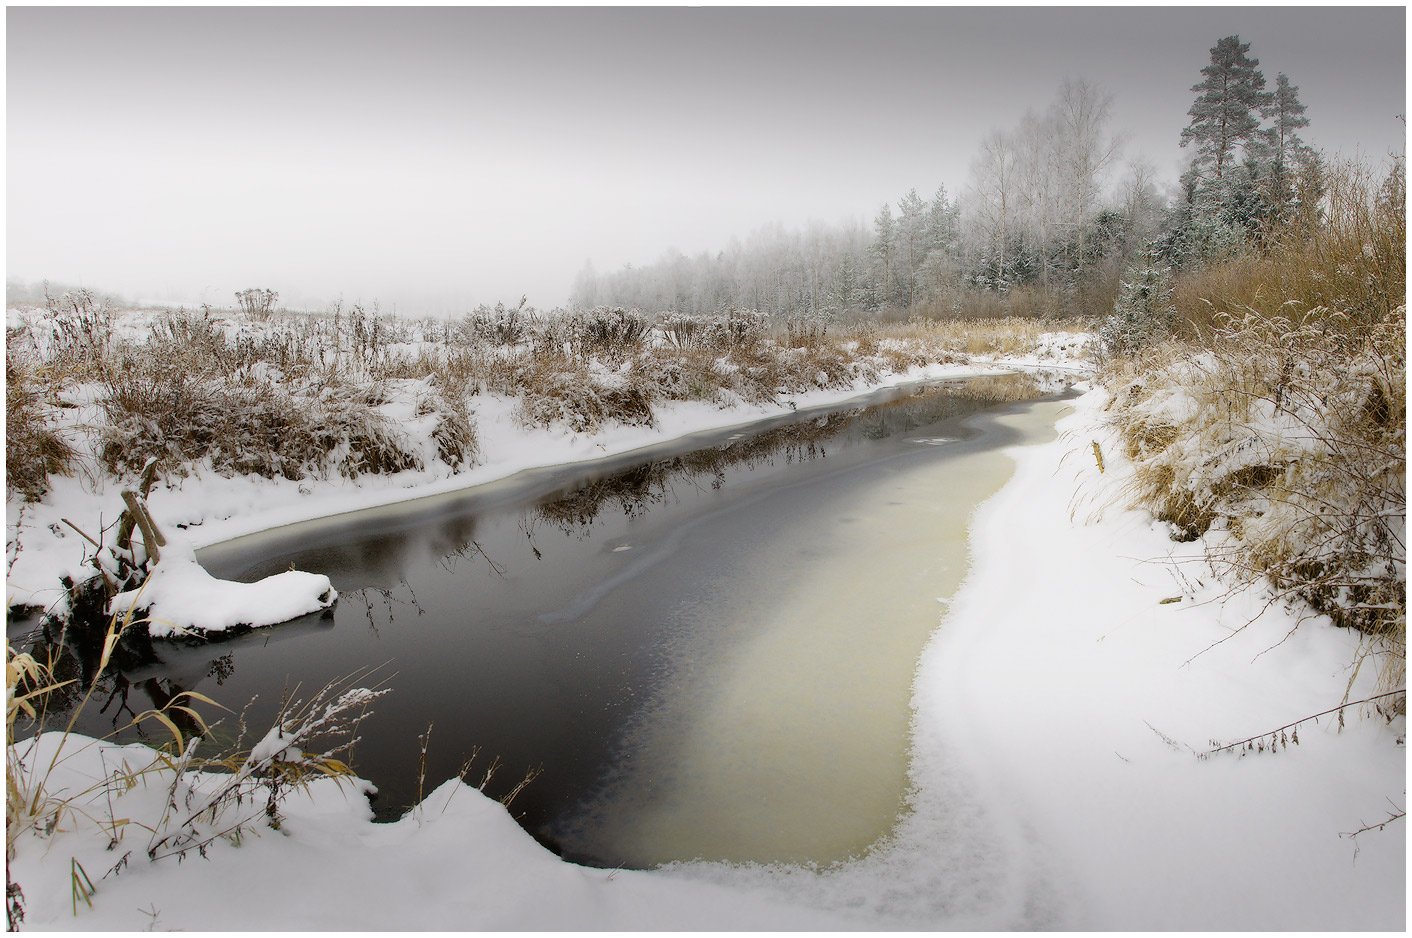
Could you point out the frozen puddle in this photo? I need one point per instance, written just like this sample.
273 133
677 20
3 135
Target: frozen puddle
785 737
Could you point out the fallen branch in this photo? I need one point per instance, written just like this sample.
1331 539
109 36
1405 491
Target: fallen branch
1339 709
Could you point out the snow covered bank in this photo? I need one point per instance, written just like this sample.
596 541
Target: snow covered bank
458 863
1090 659
1060 709
210 507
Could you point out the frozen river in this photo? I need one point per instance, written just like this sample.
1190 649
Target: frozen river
706 649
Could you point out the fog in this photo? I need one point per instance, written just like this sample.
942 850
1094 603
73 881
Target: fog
431 159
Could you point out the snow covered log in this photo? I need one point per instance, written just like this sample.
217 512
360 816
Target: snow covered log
179 595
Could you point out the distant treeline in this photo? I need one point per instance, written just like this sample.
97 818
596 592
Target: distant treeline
1038 230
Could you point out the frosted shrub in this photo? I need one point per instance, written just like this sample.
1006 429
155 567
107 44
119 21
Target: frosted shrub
613 332
582 404
257 302
734 329
498 326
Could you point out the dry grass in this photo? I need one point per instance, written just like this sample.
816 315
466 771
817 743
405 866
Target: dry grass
206 799
987 336
34 450
1277 418
1290 437
309 395
1351 258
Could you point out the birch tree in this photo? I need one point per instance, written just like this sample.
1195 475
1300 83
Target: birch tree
994 183
1085 152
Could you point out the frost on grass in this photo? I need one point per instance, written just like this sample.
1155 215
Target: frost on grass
1289 440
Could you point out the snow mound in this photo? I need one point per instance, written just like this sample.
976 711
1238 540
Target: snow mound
179 595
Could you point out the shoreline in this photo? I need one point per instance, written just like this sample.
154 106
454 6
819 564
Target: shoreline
209 510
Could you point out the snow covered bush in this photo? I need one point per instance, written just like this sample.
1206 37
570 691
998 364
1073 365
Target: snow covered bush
257 302
615 333
722 332
498 326
1287 439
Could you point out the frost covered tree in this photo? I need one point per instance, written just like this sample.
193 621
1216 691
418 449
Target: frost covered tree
1037 169
885 247
994 173
911 238
1244 180
942 234
1225 117
1085 152
1143 312
1287 151
1286 114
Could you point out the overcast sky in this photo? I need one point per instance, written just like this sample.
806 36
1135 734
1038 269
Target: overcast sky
436 158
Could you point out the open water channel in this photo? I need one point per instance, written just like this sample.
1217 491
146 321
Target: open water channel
705 649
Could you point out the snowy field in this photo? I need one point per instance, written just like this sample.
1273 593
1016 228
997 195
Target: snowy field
1060 712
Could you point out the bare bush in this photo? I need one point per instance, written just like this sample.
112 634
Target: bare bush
257 302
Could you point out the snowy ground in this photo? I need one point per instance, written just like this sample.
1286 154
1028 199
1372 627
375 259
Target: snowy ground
1060 708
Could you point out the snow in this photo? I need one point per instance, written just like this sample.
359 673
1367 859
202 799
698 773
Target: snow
1060 709
179 594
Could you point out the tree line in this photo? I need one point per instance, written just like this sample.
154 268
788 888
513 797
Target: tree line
1040 227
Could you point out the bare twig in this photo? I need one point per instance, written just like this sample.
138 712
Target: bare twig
1279 729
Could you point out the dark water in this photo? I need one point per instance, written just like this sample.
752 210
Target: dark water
526 622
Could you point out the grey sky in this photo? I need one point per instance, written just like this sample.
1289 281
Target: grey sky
433 158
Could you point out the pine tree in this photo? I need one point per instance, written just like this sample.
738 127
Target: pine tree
1287 151
1286 113
884 247
1225 115
1143 312
911 231
941 237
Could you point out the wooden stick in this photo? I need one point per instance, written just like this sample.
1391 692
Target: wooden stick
151 537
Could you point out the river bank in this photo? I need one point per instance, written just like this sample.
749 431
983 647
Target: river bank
210 503
1060 710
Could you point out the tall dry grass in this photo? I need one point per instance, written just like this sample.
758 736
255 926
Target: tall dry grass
1346 254
222 797
1278 416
